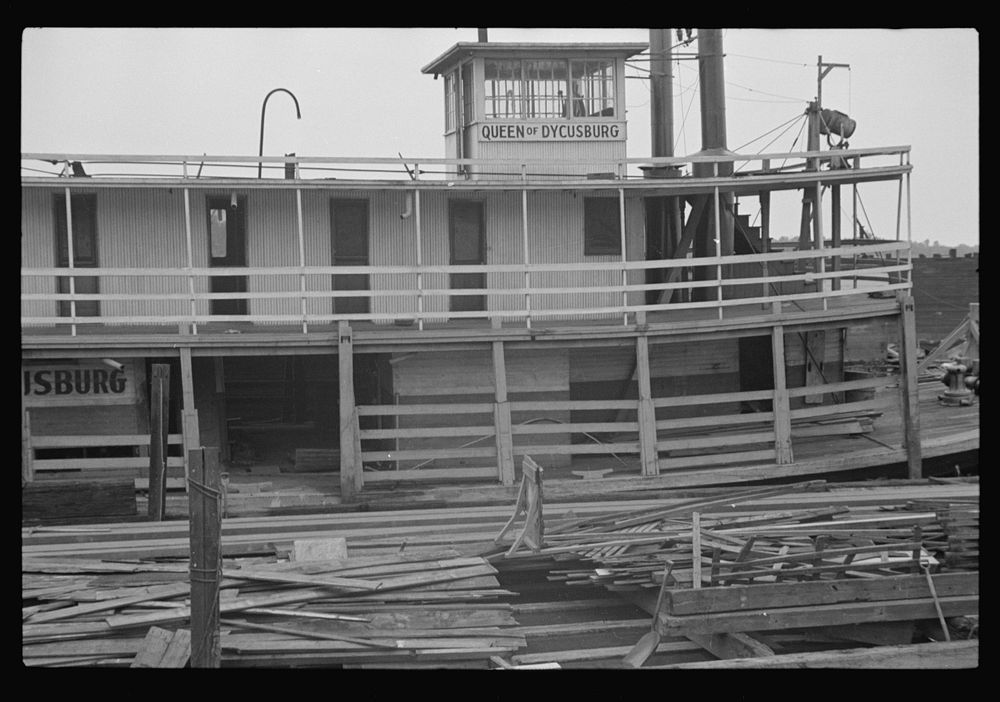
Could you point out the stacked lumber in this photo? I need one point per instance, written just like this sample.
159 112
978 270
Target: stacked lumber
866 572
438 609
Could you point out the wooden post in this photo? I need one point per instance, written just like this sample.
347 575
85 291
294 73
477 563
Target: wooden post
818 223
524 244
696 550
27 453
159 418
302 258
835 229
765 236
647 412
190 430
350 436
782 413
69 253
717 228
909 390
621 224
190 258
420 258
206 556
501 417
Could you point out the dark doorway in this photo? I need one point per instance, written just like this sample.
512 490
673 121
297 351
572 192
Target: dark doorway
349 232
227 248
84 215
466 233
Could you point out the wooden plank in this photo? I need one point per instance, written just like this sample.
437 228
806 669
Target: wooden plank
388 476
782 417
86 464
27 451
431 453
815 352
813 616
713 441
400 410
159 418
351 467
924 656
647 412
908 386
97 440
60 500
164 649
713 399
206 556
718 459
769 596
502 420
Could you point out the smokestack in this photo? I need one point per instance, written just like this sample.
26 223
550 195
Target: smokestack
483 35
662 92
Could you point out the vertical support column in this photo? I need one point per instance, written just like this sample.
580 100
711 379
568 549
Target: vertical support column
909 230
765 235
717 230
159 411
524 238
350 436
621 224
219 376
501 417
27 453
909 389
782 412
206 556
189 414
302 258
818 224
69 251
647 412
835 230
420 276
190 258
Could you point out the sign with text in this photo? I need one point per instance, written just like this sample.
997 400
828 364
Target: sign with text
554 131
89 382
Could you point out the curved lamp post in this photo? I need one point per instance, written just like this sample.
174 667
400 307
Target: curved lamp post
263 109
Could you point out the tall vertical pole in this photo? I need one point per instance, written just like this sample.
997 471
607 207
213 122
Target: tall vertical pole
818 224
835 229
69 252
206 556
159 411
646 410
718 247
189 414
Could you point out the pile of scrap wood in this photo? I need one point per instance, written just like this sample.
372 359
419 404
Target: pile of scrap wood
755 561
437 609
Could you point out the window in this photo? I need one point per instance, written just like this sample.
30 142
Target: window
602 233
546 89
450 96
84 215
593 88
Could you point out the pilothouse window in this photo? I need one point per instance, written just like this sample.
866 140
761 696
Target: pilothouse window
547 89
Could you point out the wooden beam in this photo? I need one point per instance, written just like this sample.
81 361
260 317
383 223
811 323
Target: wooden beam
937 655
27 452
164 649
647 412
350 436
687 238
782 414
501 417
908 386
189 414
159 417
206 556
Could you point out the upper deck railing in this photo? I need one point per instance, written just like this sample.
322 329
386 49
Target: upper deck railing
57 169
513 292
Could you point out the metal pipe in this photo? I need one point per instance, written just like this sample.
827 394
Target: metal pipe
263 109
661 92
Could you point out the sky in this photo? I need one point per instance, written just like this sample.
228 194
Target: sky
177 91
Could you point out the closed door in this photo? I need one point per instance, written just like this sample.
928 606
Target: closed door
227 249
466 229
349 230
84 216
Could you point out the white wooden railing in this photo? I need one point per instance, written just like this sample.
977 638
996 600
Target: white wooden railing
883 268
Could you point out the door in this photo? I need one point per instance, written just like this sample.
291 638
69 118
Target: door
227 249
84 217
349 232
466 234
